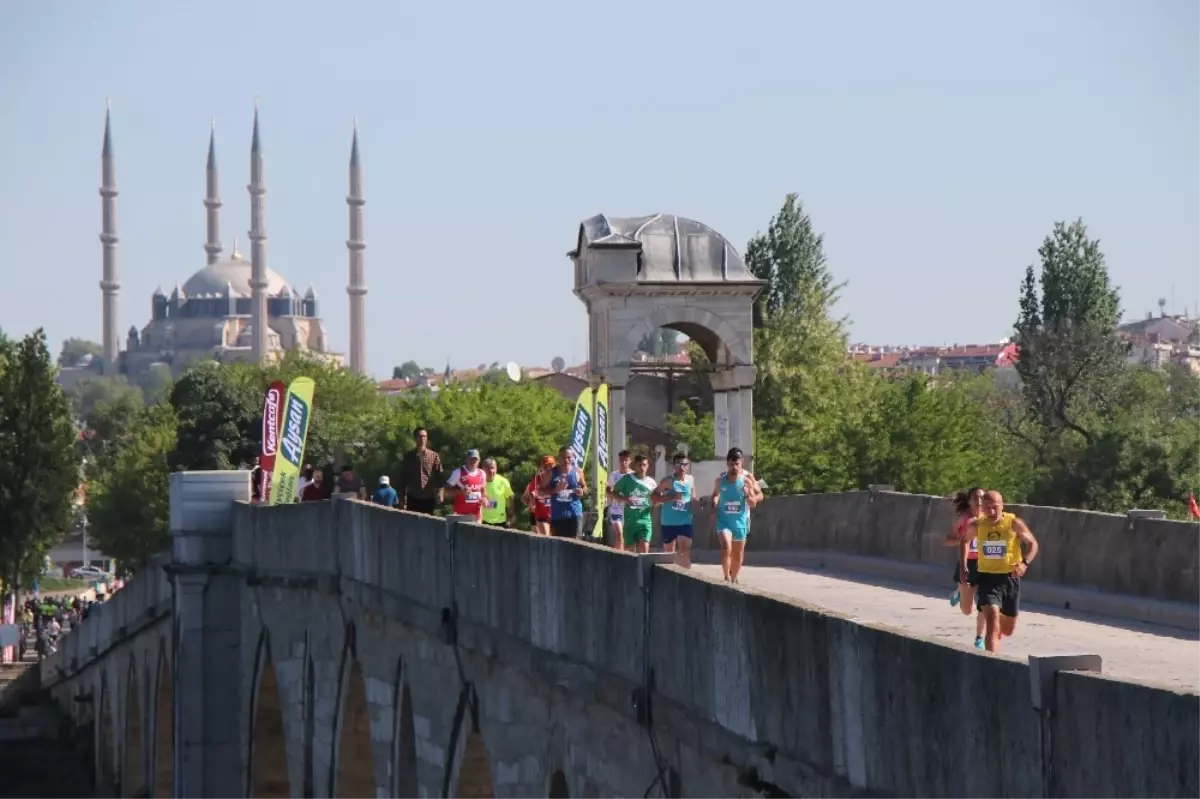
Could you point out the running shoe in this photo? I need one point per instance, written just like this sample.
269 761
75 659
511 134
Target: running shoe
979 643
955 597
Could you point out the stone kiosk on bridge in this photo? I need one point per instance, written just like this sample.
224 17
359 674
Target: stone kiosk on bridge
638 274
346 649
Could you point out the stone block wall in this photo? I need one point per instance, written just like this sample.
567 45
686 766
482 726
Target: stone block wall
1081 549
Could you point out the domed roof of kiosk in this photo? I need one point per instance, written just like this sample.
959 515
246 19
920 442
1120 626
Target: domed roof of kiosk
673 248
235 272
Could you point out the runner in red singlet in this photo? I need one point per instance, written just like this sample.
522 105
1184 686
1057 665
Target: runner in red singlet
466 487
539 506
967 507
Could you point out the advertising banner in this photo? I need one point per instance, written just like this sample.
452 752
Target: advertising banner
297 411
272 414
602 455
581 428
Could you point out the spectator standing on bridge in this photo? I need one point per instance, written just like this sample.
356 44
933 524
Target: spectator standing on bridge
350 485
1002 564
539 504
316 490
638 492
676 493
385 495
566 487
734 493
499 507
421 476
968 506
466 487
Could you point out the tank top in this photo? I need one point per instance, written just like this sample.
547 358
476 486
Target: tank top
963 530
999 546
564 502
678 512
541 505
469 501
733 512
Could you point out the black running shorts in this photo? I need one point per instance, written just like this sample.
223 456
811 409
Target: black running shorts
1003 590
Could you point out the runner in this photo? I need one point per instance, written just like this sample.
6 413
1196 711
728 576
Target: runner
466 487
638 491
566 486
676 493
539 506
1001 566
735 492
968 506
498 507
616 510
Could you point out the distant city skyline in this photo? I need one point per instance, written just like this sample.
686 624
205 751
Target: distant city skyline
934 145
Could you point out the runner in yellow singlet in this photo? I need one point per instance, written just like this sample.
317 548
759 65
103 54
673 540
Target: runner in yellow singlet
1002 564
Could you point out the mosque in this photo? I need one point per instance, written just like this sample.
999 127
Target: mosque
232 309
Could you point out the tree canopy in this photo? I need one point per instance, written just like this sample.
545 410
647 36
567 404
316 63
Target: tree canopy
39 474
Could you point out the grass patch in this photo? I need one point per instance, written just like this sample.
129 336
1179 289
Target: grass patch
63 584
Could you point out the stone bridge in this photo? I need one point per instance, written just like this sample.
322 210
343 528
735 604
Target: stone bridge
343 649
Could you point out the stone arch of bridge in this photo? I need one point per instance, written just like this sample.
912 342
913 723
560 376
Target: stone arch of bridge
268 772
468 768
133 778
163 756
106 773
404 737
353 760
557 787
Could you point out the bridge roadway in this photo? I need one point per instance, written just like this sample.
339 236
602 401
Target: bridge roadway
1166 656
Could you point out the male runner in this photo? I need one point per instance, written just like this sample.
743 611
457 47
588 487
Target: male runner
498 507
676 494
637 492
615 510
466 487
1001 566
566 487
734 493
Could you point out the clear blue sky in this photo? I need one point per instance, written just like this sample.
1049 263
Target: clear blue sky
934 144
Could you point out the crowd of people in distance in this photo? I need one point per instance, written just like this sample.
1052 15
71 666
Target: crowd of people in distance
46 619
995 549
554 498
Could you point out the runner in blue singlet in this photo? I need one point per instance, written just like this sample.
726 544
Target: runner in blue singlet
676 519
734 494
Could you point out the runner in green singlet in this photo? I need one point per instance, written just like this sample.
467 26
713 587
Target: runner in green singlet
636 491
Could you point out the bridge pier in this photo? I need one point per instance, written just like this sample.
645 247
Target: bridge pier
206 634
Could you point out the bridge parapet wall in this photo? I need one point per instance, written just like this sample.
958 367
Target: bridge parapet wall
142 602
746 687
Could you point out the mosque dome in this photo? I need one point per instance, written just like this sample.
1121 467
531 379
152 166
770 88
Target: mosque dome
235 272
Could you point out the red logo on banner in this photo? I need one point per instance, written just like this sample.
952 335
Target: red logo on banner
272 406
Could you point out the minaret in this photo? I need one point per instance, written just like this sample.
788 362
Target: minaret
258 250
109 286
212 201
357 288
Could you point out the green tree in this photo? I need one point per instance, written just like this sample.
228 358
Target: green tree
790 257
693 430
75 350
1070 352
407 371
111 424
660 342
219 419
515 423
92 391
38 470
128 498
